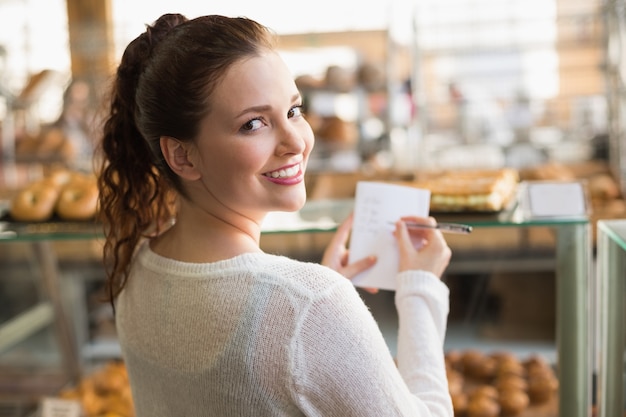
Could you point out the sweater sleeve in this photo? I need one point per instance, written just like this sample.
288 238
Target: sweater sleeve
342 365
422 301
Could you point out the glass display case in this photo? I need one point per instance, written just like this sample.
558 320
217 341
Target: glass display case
37 349
611 271
572 253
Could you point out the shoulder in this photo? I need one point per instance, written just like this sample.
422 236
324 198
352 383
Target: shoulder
309 277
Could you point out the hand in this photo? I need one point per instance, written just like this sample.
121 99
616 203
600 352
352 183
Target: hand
336 254
421 249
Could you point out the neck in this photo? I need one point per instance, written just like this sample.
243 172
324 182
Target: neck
202 236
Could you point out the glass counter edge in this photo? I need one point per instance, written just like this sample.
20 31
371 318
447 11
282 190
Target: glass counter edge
9 235
614 229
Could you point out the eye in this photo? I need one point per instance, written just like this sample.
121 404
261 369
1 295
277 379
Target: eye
295 111
252 125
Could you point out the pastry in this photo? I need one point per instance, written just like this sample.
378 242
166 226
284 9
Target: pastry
513 402
483 406
471 190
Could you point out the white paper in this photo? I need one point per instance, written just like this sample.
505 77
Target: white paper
377 207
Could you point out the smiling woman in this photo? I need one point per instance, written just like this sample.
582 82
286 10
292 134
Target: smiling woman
205 128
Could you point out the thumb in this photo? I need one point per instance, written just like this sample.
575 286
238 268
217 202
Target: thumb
353 269
402 236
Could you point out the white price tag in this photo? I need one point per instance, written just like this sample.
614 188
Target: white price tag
57 407
556 199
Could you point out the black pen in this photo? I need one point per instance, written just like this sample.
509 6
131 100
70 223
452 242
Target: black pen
444 227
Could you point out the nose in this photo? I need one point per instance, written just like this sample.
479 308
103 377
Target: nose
294 138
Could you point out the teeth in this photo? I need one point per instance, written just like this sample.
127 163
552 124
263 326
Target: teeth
285 173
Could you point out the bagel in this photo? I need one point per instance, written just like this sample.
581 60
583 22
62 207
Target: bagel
34 203
59 178
78 199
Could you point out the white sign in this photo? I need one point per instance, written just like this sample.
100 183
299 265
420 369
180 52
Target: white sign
556 199
57 407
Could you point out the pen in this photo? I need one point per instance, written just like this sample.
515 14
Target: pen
444 227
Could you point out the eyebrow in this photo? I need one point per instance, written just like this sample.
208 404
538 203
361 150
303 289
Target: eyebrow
264 107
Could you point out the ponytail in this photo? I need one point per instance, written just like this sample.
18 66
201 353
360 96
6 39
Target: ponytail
134 198
162 88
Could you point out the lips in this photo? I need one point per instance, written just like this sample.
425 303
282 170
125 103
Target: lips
289 172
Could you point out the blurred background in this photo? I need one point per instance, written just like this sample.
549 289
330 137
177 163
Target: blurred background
449 83
398 90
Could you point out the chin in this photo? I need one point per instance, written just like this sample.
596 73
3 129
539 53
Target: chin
294 204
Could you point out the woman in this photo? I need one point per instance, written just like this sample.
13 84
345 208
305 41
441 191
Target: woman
205 127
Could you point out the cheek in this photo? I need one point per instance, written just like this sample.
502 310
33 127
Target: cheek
309 137
241 161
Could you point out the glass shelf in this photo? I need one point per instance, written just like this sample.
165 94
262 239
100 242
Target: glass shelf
615 230
316 216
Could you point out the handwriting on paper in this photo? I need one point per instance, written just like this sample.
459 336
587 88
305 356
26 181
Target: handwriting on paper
377 207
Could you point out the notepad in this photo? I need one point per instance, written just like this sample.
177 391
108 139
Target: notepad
377 207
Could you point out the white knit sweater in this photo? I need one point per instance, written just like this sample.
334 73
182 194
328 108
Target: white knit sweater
263 335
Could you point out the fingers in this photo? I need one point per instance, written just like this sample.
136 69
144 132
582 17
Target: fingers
343 230
405 247
420 220
410 239
352 270
421 235
402 235
421 248
336 254
336 249
340 238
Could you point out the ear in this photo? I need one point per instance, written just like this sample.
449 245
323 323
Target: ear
176 155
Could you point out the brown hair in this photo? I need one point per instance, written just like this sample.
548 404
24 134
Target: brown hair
162 88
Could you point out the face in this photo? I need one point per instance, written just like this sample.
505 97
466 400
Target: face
255 143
